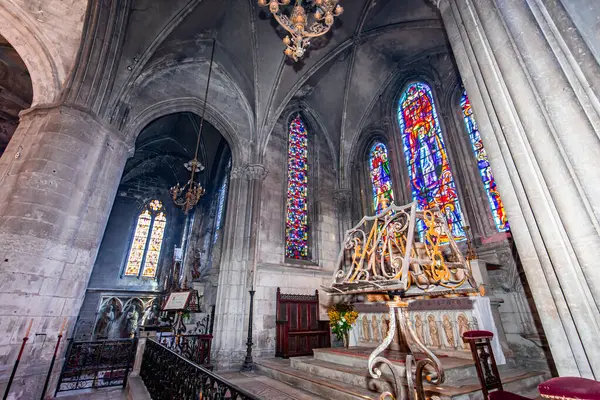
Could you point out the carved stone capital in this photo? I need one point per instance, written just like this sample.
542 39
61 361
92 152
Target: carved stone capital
342 197
237 172
256 172
250 172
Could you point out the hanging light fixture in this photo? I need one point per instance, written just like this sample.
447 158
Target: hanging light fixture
297 24
188 195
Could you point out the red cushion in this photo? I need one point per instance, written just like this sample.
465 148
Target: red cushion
478 335
570 388
501 395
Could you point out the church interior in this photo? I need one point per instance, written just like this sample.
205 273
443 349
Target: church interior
299 199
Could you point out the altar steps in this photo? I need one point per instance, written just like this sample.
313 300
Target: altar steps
338 375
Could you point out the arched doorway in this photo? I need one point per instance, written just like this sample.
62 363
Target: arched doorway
150 245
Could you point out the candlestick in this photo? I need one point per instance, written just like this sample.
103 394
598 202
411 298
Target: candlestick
29 328
62 328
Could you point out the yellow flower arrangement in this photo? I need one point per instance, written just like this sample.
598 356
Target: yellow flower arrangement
341 318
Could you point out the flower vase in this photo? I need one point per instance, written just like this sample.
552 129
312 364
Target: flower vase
346 339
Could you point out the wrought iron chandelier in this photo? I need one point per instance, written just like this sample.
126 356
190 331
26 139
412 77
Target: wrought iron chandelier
297 24
188 195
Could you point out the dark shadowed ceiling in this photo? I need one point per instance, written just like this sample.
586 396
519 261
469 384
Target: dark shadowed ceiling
164 146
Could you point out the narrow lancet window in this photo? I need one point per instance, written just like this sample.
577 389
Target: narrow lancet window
489 184
381 181
296 223
431 179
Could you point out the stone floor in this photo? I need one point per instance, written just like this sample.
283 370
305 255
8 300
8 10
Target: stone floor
100 394
267 388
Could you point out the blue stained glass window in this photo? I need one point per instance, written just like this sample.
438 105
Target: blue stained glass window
296 223
379 167
220 207
431 179
483 163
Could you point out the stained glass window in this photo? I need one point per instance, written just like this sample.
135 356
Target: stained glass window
153 252
380 176
220 207
296 225
138 246
431 179
483 163
147 241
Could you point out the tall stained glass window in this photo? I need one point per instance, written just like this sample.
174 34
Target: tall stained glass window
483 163
380 176
296 222
431 179
147 241
220 207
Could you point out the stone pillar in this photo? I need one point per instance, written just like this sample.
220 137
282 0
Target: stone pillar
58 179
343 202
540 133
238 263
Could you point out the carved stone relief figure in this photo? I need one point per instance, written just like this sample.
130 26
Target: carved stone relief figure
375 326
107 325
449 331
366 336
419 328
463 326
433 331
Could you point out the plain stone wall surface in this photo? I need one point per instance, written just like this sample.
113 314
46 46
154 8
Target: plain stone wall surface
296 280
58 176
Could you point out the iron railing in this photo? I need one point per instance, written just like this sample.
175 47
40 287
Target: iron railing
98 363
169 376
195 348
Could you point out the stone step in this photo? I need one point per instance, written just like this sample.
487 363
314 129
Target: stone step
455 368
359 377
330 389
337 381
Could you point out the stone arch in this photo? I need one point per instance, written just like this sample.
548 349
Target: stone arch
310 117
181 84
43 62
239 153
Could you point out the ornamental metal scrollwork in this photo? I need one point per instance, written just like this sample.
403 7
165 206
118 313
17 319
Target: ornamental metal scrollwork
404 250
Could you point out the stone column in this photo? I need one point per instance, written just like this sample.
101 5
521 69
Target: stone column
343 202
58 179
541 137
238 264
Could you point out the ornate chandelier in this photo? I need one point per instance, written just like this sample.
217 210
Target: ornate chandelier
323 15
188 195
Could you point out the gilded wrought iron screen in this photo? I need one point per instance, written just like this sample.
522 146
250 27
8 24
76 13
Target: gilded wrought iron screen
402 250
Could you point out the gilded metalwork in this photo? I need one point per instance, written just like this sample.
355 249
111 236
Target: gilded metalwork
298 25
384 253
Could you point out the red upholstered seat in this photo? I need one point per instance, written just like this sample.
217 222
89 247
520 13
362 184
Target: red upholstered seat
478 335
502 395
570 388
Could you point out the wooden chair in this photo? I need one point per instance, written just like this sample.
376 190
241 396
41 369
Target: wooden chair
485 363
299 329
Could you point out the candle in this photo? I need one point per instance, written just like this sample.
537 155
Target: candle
62 328
29 328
